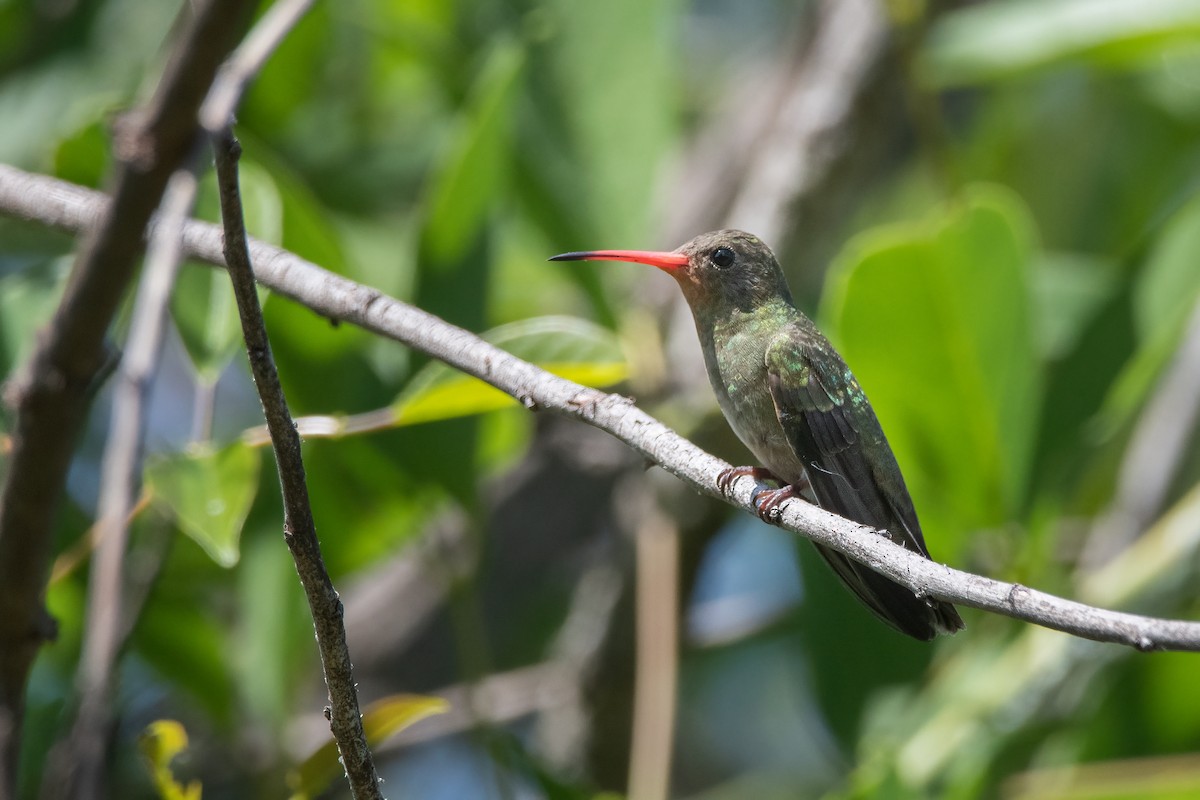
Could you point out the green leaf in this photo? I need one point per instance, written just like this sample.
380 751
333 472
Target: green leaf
1169 284
1068 291
273 645
382 719
209 492
617 64
571 348
83 157
27 300
995 41
934 320
1163 297
206 317
472 170
163 740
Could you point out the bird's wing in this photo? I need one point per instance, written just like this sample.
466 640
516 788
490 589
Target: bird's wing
833 430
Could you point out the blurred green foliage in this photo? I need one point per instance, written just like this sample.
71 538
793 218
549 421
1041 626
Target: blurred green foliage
1010 326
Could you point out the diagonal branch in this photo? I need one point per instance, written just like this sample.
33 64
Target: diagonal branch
335 297
299 529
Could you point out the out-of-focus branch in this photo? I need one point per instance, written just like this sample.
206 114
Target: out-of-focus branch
1158 445
657 664
247 61
809 131
299 529
773 150
51 395
336 297
77 763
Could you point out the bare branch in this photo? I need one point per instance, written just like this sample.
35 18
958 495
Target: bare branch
336 297
51 394
78 762
248 60
299 529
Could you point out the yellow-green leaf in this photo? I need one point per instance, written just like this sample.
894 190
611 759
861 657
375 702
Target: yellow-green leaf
571 348
162 741
461 395
381 719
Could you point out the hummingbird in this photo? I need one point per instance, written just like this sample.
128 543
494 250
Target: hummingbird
791 399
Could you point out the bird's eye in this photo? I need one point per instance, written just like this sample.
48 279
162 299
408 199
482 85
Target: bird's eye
722 257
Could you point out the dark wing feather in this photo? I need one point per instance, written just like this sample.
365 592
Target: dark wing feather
832 428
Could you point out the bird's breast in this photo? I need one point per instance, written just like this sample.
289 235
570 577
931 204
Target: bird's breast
736 363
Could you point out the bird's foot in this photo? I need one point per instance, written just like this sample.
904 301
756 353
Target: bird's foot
727 477
768 501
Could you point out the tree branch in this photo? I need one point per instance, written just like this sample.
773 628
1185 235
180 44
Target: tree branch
299 529
77 763
74 208
52 393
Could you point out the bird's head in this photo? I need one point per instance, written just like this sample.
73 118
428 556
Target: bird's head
719 272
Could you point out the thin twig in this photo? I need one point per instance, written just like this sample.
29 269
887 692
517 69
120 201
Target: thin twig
52 393
77 764
248 60
299 530
335 297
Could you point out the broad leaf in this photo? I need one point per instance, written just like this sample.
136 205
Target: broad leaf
935 321
993 41
569 347
209 492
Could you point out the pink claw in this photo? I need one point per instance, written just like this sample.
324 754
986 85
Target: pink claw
727 477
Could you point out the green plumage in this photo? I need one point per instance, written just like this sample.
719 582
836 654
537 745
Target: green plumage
792 400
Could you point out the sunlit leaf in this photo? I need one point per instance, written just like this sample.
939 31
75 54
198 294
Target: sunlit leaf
997 40
572 348
1153 778
935 320
381 719
209 492
162 741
